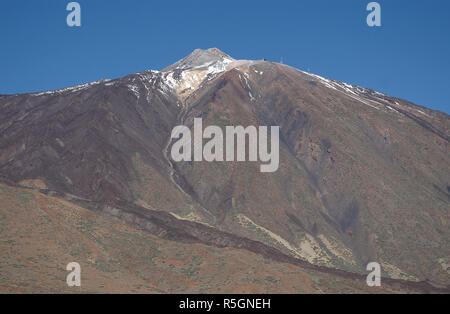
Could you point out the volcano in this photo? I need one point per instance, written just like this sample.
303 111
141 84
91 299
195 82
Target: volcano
86 175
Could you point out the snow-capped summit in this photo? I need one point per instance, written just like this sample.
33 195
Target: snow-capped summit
200 58
189 73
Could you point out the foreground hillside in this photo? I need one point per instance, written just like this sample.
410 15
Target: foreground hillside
42 234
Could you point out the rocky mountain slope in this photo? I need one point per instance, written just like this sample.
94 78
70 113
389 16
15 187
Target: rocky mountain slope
117 258
363 176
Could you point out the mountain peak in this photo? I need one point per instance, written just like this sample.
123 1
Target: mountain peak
347 154
200 58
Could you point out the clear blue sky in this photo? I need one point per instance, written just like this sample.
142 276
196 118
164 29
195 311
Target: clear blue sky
408 57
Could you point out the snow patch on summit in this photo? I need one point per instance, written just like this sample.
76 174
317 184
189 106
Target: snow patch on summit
186 76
